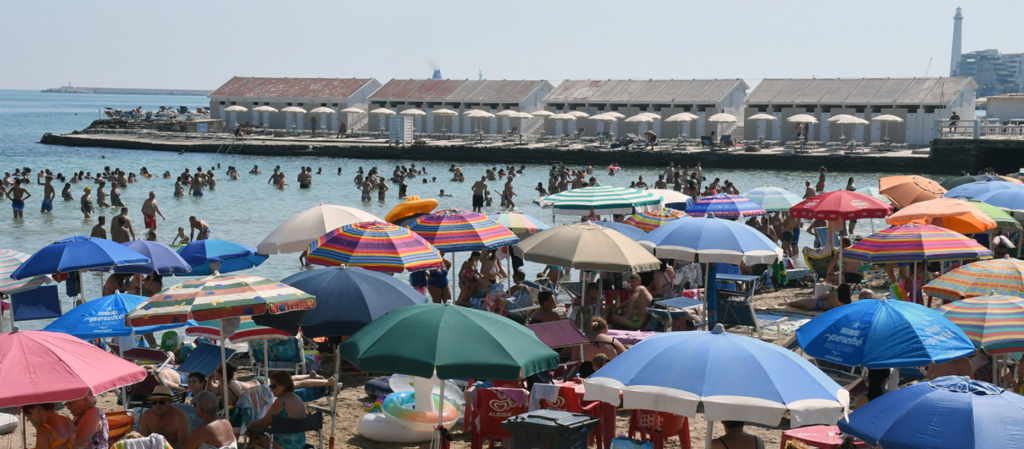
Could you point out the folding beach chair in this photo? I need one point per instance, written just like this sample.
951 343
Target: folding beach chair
284 355
741 312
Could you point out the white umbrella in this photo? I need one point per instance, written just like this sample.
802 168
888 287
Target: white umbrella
444 113
682 117
352 110
235 109
561 117
412 112
847 119
322 110
264 109
802 118
838 117
887 118
295 109
603 118
615 114
506 113
384 111
522 115
762 116
652 115
296 233
578 114
722 117
639 118
476 113
542 113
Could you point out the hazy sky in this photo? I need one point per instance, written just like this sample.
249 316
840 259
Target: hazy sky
200 45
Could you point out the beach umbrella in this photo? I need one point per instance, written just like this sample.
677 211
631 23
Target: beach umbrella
879 333
75 254
587 247
542 113
673 199
887 118
649 221
376 246
412 113
47 367
104 318
264 109
639 118
949 213
247 331
444 113
522 115
296 233
993 323
914 243
506 113
603 118
294 109
352 110
681 117
724 205
762 117
456 230
840 205
907 190
720 118
734 378
1010 200
578 114
972 190
322 110
163 259
986 277
950 184
521 225
235 108
634 234
1001 217
10 260
383 111
601 200
617 115
950 412
802 119
713 240
772 199
217 298
231 256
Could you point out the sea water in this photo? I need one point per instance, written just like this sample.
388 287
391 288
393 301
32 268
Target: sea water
247 210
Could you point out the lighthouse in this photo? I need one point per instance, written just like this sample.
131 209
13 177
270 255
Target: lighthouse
958 28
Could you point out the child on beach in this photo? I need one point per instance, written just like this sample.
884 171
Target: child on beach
181 238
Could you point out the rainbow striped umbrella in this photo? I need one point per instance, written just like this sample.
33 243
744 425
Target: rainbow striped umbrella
914 243
10 260
376 246
725 205
456 230
988 277
217 297
993 323
521 225
247 331
649 221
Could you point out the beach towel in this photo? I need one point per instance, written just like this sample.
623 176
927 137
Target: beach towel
518 396
547 392
153 441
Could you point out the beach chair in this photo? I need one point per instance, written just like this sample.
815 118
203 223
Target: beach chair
659 426
490 407
314 422
818 264
727 142
741 312
119 424
205 359
285 355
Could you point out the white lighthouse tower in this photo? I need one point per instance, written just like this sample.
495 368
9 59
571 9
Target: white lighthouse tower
958 27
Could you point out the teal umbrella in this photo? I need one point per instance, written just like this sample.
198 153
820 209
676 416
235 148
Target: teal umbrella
773 199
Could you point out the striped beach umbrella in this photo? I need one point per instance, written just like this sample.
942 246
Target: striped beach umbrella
773 199
10 260
649 221
725 205
247 331
602 200
993 323
376 246
521 225
914 243
217 297
457 230
988 277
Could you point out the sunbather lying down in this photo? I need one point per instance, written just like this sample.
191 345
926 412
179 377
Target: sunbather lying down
828 301
179 382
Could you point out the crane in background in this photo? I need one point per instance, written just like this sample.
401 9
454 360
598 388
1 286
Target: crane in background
929 69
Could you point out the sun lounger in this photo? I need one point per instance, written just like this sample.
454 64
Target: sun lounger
205 359
741 312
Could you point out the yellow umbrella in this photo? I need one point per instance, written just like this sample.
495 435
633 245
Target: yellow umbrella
907 190
949 213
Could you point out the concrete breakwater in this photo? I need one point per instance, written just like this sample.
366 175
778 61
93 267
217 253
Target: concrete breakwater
947 155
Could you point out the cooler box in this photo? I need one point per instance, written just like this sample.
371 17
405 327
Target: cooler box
550 429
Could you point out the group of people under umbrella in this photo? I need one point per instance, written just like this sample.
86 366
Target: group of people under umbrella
392 328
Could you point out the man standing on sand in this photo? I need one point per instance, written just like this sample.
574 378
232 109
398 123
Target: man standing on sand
121 230
201 226
18 195
479 188
150 210
98 231
48 195
507 195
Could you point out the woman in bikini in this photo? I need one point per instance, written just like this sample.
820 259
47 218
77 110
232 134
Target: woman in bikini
437 284
53 431
600 343
492 269
827 301
662 284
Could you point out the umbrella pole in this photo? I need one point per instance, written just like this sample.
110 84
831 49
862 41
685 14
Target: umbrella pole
711 433
440 422
334 401
224 366
266 360
707 279
455 284
124 391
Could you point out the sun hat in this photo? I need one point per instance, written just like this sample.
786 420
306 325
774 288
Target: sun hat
161 391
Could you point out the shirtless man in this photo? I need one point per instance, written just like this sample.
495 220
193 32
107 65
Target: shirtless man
210 182
150 210
18 195
507 195
304 179
48 195
479 188
634 309
165 419
255 170
98 230
660 183
579 182
215 431
121 229
850 268
365 186
808 191
546 312
196 188
790 238
198 225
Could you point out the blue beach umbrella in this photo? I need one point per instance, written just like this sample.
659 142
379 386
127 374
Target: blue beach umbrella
736 378
232 256
883 334
951 412
974 189
773 199
714 240
77 253
1010 199
725 205
162 259
347 298
104 318
633 233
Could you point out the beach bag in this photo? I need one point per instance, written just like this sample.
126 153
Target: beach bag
630 443
822 288
495 299
522 299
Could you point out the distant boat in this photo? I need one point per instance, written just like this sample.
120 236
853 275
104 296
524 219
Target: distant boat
67 90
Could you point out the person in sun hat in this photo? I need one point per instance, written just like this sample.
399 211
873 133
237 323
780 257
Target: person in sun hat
164 418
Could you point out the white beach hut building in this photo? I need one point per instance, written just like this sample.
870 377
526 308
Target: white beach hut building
303 93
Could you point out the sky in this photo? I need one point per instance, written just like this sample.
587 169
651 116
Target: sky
200 45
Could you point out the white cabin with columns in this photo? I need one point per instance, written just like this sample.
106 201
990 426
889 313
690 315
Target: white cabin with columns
280 93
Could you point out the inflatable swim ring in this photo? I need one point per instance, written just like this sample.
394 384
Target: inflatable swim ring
612 167
377 427
398 407
374 407
412 205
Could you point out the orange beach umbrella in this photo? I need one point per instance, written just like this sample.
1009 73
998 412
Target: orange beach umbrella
907 190
949 213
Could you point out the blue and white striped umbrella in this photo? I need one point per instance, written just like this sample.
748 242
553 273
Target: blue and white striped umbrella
773 199
725 205
736 378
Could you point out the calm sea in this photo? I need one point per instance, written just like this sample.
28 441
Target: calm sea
246 210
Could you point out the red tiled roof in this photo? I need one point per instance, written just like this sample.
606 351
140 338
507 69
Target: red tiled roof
290 87
456 90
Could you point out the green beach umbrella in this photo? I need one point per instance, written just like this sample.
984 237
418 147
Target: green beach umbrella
1001 217
602 200
456 341
949 184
